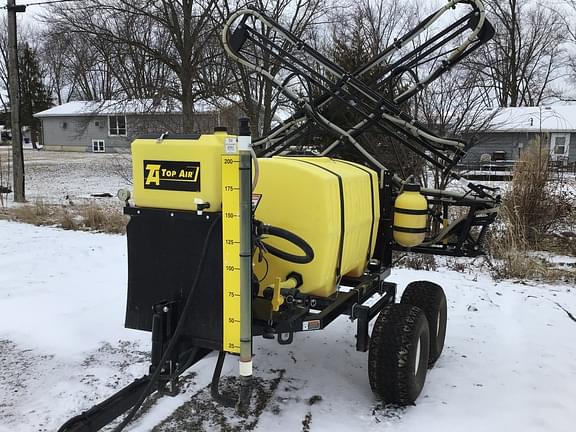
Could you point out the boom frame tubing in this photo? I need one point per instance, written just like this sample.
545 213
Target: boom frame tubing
381 82
402 123
402 127
379 105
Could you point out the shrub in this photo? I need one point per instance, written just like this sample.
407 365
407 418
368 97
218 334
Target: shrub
536 205
91 217
418 261
537 202
67 220
105 219
37 213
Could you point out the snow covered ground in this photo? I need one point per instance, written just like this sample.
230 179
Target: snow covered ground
508 364
58 177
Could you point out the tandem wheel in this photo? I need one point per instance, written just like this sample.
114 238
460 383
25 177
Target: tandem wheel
398 355
429 297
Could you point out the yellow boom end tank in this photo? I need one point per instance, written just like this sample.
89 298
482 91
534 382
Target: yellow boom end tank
331 204
410 216
179 172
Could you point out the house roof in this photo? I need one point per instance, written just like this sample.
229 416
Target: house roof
554 118
121 107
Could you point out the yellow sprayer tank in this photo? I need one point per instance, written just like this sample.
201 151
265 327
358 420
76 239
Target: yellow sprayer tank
178 172
332 204
410 216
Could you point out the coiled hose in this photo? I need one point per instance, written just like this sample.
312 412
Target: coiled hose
308 256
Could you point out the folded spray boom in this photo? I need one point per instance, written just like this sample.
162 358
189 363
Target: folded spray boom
316 85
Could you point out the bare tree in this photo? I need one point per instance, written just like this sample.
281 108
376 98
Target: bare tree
137 73
4 65
568 13
259 99
454 106
97 69
24 35
54 52
526 56
357 34
134 34
366 27
77 66
164 50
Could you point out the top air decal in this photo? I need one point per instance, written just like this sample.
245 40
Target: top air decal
172 175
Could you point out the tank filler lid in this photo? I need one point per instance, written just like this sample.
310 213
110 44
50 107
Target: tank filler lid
411 187
189 136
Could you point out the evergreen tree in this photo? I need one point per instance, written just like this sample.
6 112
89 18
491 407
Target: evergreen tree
34 96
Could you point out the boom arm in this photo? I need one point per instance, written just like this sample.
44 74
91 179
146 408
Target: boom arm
296 62
316 85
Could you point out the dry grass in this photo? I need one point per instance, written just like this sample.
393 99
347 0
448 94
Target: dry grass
38 213
524 267
5 177
104 219
536 206
84 217
416 261
537 203
68 220
509 250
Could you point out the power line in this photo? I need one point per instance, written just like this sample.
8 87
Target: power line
47 2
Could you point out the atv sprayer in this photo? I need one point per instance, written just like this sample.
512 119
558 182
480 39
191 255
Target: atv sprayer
230 239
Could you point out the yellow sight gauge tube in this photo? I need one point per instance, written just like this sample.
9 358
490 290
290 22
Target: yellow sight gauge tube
244 150
231 248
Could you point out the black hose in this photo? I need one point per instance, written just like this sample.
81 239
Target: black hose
226 401
292 238
179 327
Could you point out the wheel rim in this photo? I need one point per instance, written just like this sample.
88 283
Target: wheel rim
417 361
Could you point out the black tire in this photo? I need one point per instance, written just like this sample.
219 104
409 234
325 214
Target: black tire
398 354
430 297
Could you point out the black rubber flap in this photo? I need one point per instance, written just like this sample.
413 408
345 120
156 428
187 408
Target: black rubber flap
163 255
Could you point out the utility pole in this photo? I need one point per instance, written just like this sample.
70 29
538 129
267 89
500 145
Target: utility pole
14 89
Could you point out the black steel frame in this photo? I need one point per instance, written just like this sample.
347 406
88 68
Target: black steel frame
317 313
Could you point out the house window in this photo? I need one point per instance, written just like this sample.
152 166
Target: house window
498 155
98 146
117 125
560 146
